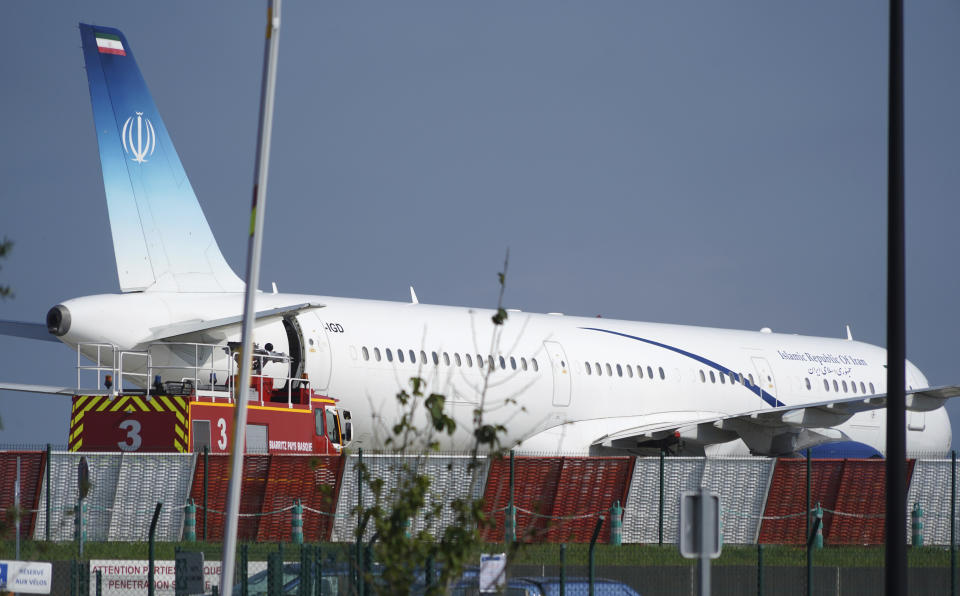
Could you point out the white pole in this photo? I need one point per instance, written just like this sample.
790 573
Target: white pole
253 278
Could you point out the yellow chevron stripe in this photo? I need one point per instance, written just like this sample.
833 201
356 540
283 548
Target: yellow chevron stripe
179 430
167 402
76 446
76 432
78 404
114 406
157 404
179 446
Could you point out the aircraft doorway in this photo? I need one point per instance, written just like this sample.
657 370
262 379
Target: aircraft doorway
765 378
319 354
561 373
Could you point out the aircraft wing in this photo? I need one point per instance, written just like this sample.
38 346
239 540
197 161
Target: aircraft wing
197 326
782 430
51 390
28 330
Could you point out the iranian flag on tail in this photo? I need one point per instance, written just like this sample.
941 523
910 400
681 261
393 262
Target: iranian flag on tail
108 43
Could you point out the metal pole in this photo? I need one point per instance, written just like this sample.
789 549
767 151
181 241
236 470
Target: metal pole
759 569
896 551
264 131
153 530
953 523
593 544
563 569
806 533
660 529
47 522
319 566
359 541
244 569
206 484
16 506
510 519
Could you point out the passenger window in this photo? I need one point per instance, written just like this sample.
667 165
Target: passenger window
853 386
523 363
436 358
446 359
751 379
639 372
844 386
423 357
389 355
835 386
413 357
588 367
872 390
503 363
513 363
826 384
479 361
619 371
629 371
469 360
650 372
536 366
609 370
703 377
596 368
366 353
456 358
376 354
713 379
863 388
663 375
723 378
400 355
808 383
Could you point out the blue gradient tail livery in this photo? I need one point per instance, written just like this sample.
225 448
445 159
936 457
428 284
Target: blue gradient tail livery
161 239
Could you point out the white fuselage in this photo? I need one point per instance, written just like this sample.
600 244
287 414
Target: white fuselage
558 383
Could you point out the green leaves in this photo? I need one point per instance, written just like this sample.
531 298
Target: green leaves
5 247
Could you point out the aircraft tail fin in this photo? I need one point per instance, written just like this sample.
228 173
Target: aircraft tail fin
161 239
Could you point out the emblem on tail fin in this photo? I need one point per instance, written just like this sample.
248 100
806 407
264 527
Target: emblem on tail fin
139 140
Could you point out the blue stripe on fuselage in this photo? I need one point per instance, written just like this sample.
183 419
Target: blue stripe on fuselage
769 399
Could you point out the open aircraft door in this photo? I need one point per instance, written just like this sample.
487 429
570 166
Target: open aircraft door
561 373
319 354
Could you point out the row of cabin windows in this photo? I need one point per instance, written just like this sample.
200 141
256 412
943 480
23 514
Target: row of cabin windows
445 357
625 369
733 377
842 386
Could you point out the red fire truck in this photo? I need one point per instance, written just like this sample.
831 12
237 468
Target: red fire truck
177 403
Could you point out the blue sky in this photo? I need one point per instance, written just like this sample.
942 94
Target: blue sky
718 164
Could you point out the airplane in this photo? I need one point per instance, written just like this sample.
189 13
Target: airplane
556 383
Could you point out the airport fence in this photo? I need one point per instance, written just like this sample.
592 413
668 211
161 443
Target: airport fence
555 498
647 569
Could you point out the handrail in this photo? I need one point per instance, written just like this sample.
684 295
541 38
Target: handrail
208 360
97 367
